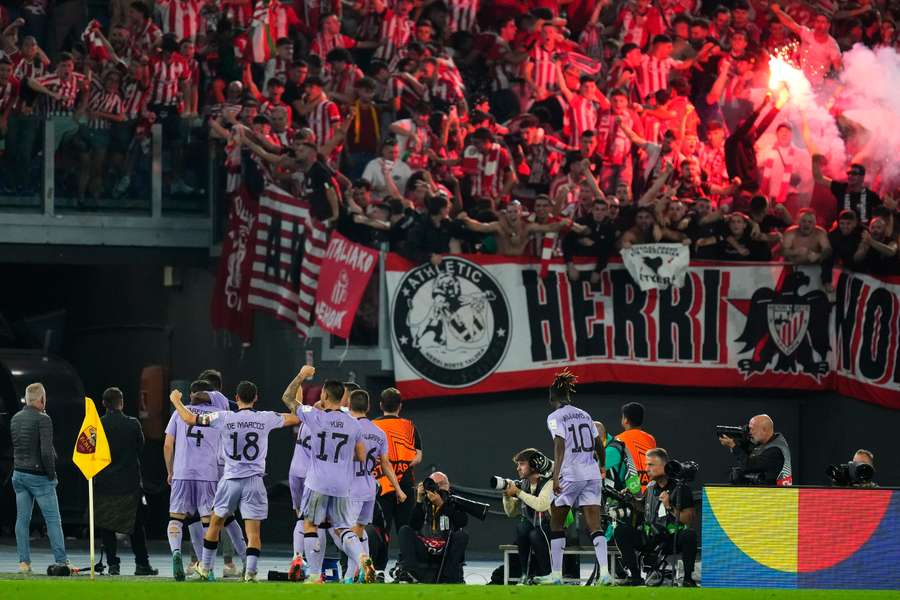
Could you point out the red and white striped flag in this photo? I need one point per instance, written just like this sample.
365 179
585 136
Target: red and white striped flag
95 47
262 33
288 247
582 62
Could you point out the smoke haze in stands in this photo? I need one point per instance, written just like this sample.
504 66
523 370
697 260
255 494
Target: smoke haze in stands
871 82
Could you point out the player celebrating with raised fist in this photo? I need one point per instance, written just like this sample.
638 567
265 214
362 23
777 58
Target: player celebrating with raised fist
245 437
577 477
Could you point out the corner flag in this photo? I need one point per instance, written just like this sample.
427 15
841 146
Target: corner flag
91 453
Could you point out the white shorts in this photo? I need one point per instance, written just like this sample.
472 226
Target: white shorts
321 508
189 497
247 493
580 493
361 511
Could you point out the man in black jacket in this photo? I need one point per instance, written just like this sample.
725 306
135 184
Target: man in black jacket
766 459
434 235
740 154
433 545
118 505
34 476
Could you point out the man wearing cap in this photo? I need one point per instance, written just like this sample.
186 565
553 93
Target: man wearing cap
851 194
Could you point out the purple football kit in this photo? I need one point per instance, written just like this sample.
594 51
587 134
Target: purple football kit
245 441
579 474
362 487
333 437
195 470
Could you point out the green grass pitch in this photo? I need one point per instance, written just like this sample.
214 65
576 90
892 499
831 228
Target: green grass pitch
79 588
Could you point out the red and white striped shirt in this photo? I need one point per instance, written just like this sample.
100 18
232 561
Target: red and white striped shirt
583 115
106 102
343 82
408 95
281 19
639 29
653 74
67 89
29 69
488 169
9 94
712 161
544 73
135 99
395 33
323 43
446 89
323 120
144 38
240 15
612 142
181 17
463 14
166 77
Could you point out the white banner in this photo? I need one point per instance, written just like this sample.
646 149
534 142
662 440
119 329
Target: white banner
657 266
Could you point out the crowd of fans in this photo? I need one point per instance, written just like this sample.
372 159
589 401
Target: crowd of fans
537 128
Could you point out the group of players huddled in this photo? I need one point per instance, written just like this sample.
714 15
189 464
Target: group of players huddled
218 460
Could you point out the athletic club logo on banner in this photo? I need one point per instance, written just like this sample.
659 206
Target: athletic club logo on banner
451 323
786 329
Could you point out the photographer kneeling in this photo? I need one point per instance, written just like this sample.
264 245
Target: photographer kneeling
668 514
433 545
531 504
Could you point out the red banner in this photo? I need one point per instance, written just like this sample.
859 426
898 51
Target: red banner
228 308
288 245
345 273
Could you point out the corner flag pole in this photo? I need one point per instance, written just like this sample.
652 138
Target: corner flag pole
91 520
91 455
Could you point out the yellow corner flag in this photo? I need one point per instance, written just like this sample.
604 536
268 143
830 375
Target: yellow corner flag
91 453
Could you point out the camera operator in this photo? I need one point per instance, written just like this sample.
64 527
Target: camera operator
763 458
531 503
668 514
434 540
858 473
863 456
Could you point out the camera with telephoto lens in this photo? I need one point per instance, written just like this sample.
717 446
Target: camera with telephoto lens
501 483
851 473
739 433
740 477
682 471
626 503
430 485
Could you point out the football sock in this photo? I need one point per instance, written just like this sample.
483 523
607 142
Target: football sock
599 541
209 554
298 537
175 532
252 557
237 539
557 544
315 553
197 530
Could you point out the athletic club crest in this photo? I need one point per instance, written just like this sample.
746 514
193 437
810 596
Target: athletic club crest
451 323
787 331
87 441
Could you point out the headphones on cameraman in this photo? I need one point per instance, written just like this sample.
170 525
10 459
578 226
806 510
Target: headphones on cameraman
539 462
